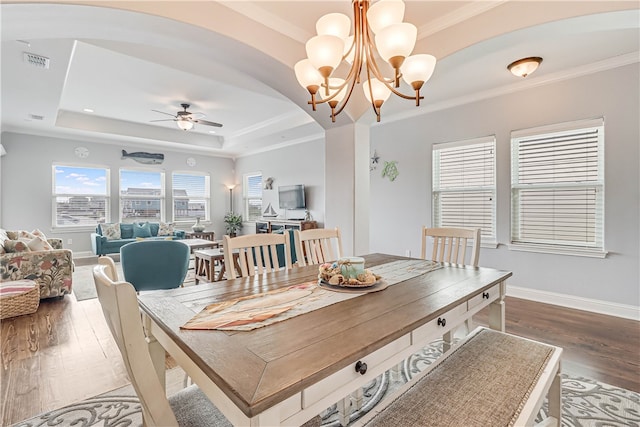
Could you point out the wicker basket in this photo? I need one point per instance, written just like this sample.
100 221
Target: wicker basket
19 304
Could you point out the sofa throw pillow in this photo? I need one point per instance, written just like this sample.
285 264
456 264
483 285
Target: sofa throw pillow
38 233
165 229
111 231
126 230
13 246
142 230
39 244
24 234
154 227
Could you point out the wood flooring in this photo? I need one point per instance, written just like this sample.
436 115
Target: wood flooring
64 353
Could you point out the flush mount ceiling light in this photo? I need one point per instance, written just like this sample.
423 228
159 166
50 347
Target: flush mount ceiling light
525 66
185 124
378 33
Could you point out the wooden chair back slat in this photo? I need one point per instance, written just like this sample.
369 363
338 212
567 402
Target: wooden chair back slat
257 253
317 246
450 244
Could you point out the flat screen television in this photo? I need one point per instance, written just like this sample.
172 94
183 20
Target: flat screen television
291 197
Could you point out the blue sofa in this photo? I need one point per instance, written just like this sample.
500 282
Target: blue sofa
102 246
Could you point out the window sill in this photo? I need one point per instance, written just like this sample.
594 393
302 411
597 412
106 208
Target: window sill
488 245
558 250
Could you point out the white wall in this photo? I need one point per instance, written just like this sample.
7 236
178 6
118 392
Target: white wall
27 181
296 164
400 208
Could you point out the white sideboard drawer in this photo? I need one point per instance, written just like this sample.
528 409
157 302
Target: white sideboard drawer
483 299
436 327
349 374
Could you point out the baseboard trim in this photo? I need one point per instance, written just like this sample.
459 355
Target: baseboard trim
579 303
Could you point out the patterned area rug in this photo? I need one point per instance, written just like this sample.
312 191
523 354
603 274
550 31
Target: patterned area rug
585 402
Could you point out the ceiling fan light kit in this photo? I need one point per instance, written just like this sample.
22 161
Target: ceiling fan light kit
185 119
525 66
185 124
378 32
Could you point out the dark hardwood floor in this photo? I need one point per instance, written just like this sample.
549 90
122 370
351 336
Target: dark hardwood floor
64 353
604 348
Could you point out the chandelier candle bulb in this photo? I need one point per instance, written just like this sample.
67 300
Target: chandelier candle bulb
384 13
325 53
334 24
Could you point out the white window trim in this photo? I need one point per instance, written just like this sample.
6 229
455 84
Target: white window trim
207 219
559 249
54 195
487 243
163 192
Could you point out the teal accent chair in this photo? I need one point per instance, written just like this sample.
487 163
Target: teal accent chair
155 264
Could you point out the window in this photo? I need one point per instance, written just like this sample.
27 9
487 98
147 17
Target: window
191 195
252 196
80 196
464 185
557 188
141 195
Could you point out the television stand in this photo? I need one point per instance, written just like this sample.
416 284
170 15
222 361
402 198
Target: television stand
268 225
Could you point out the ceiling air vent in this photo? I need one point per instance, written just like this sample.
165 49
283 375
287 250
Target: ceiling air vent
36 60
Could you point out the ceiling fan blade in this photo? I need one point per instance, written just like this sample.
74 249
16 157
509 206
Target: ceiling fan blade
163 120
206 122
162 112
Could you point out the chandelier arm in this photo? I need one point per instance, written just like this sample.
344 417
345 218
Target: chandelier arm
373 66
353 77
343 104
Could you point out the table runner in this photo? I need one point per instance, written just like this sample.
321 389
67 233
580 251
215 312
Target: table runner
259 310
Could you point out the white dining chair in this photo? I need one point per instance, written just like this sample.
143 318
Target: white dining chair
110 267
317 246
450 245
189 407
257 253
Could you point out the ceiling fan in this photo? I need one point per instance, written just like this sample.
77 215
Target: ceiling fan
185 119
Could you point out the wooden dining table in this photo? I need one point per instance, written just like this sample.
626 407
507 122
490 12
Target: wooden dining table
289 371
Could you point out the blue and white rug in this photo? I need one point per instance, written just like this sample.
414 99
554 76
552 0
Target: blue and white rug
585 402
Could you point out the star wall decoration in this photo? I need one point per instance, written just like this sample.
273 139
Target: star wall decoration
374 161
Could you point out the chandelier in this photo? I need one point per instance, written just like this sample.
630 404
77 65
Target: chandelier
379 33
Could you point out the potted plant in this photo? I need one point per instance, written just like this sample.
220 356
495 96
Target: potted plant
233 223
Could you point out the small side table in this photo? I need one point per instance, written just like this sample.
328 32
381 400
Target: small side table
205 264
206 235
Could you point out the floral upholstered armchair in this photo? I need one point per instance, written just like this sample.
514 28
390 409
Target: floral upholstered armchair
30 255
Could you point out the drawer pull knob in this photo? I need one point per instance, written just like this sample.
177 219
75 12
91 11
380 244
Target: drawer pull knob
485 295
442 321
361 367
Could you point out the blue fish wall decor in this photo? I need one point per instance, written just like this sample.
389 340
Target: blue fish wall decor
144 158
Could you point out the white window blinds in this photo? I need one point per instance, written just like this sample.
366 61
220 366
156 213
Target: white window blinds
557 183
464 185
253 196
141 195
191 196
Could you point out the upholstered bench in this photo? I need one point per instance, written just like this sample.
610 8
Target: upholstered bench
488 379
18 297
